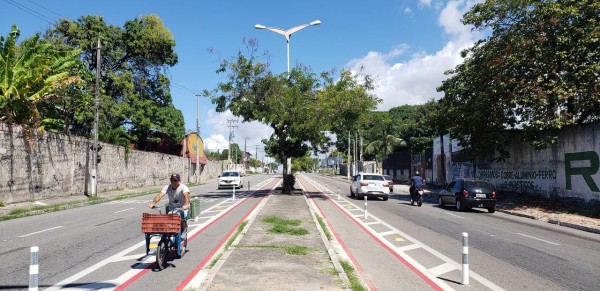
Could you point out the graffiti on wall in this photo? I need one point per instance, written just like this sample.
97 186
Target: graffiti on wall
523 181
583 164
579 165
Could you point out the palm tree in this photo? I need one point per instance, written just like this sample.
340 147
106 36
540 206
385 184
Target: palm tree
31 73
385 140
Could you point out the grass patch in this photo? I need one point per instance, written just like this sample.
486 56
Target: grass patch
235 235
355 284
2 203
295 250
229 242
288 249
214 261
284 226
324 227
273 219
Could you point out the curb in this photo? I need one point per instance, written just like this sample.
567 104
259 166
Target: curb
575 226
553 221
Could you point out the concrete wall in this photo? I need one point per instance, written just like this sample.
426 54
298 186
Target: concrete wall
569 169
58 166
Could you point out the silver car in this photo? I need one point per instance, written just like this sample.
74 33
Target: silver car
369 185
230 179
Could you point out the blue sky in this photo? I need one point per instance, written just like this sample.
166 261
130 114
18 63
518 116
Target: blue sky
405 44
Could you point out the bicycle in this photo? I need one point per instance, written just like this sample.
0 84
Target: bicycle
172 235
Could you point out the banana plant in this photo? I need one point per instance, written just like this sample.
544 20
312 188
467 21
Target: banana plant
31 73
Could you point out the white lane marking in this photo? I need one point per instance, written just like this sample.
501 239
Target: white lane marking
442 269
123 210
408 247
553 243
41 231
409 259
452 214
387 233
146 260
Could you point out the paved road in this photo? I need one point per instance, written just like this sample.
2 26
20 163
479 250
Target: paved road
397 247
101 246
506 252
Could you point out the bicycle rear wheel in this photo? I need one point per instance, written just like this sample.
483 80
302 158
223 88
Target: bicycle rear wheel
162 251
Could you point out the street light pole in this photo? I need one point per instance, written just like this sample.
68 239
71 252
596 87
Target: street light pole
197 137
287 34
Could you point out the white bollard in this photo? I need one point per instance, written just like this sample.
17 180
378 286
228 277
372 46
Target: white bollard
366 215
465 258
33 269
338 193
233 198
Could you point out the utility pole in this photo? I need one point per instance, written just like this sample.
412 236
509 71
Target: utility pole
245 151
229 122
349 157
256 155
97 93
361 152
197 138
355 164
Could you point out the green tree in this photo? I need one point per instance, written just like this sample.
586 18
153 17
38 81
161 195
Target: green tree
135 101
298 106
383 138
537 70
32 73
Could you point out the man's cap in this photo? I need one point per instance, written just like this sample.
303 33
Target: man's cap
175 176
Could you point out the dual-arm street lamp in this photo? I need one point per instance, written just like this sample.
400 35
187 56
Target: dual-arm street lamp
288 34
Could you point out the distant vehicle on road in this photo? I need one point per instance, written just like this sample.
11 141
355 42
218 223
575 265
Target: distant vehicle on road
369 185
230 179
467 193
390 181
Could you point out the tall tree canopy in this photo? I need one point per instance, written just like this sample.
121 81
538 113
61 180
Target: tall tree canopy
299 106
135 101
32 74
539 69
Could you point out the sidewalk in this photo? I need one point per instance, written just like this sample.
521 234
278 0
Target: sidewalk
262 260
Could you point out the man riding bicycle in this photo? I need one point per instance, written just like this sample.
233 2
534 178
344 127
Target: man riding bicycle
179 198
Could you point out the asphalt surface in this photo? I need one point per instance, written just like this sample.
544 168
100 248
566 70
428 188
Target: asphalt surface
257 259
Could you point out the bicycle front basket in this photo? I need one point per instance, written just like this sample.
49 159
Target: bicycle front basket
161 223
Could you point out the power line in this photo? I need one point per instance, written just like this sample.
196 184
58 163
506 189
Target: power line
32 12
184 88
47 9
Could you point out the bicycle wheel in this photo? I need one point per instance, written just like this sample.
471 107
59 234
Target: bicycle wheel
162 251
182 244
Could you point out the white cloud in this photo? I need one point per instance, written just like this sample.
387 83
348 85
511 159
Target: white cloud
425 3
408 11
415 80
215 142
246 134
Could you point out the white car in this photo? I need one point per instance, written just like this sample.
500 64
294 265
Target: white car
369 185
230 179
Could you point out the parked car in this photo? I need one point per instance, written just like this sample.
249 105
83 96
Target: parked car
230 179
390 181
369 185
467 193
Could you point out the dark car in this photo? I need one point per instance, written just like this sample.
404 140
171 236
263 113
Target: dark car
467 193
